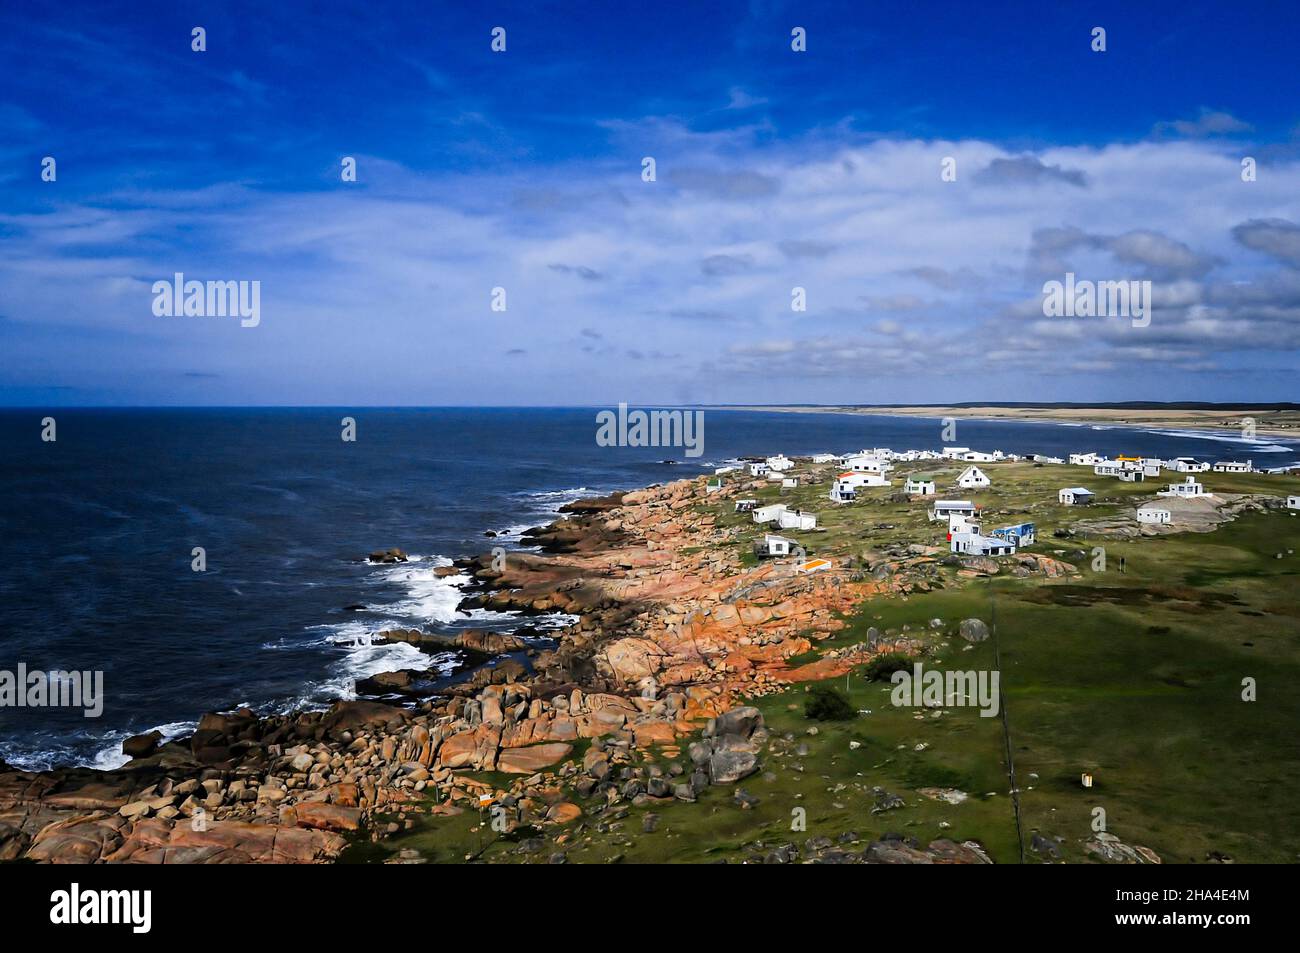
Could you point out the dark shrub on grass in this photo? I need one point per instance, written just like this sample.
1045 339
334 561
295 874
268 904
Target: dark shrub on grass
826 704
882 666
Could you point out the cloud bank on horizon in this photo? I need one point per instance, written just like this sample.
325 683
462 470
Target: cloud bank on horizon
523 170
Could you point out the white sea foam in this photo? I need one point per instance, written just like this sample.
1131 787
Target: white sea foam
1227 437
546 496
71 750
430 598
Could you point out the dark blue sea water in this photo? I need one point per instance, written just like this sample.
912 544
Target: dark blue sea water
97 529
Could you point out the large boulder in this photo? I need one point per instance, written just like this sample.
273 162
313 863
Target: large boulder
740 722
327 817
78 840
633 659
729 765
141 746
973 630
729 751
532 759
351 715
490 643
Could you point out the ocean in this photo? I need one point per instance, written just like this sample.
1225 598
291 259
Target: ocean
98 528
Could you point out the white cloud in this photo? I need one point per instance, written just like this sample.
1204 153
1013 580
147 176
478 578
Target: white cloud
384 288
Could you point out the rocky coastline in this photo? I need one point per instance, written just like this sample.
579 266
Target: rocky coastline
673 634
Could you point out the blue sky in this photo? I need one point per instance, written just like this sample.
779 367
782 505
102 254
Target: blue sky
522 170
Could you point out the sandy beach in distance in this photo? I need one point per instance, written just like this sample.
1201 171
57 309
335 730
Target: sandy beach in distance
1271 423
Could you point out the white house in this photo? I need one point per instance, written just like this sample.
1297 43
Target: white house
1084 459
772 545
774 476
1127 471
1233 466
713 486
846 486
946 508
973 477
789 483
768 514
797 519
745 506
919 486
962 523
865 464
1075 496
780 463
1188 465
1148 513
1042 458
758 469
978 456
954 453
865 478
973 544
1293 502
824 458
842 492
1188 488
726 469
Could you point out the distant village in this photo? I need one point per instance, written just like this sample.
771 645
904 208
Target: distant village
966 536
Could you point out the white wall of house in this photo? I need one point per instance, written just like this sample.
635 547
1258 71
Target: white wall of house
842 493
973 544
1074 496
862 479
774 546
946 508
797 519
1188 488
973 477
1152 514
962 523
867 464
769 513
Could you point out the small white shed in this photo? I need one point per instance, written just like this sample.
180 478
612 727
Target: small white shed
1153 514
773 545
